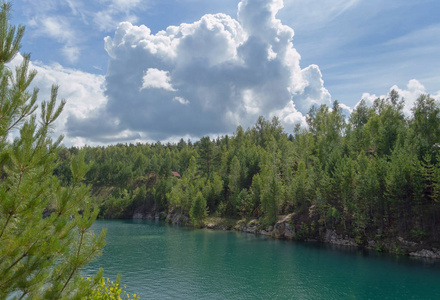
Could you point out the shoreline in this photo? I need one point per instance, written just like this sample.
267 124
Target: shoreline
286 229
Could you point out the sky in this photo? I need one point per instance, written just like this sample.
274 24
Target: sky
160 70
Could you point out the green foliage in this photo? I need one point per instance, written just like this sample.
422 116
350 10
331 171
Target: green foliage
418 234
426 125
380 247
118 205
234 183
377 170
302 232
221 210
45 236
109 290
270 198
208 156
198 210
212 191
301 186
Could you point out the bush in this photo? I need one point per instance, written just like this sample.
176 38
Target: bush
109 290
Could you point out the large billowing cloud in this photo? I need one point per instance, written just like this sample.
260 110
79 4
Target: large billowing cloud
202 78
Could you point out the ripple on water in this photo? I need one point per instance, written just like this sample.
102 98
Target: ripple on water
164 262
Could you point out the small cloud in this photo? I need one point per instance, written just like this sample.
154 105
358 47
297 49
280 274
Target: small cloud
317 13
157 79
124 5
181 100
60 30
72 53
117 11
104 20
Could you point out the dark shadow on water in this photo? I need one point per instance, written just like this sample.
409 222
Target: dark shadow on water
372 254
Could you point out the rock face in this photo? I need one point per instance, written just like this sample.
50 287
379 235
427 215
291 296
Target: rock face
177 219
148 216
434 253
138 216
372 244
250 227
333 238
283 228
405 243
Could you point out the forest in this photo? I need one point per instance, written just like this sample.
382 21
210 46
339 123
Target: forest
374 173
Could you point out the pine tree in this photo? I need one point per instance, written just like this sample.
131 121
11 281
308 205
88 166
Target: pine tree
208 156
301 187
198 210
234 182
271 191
45 236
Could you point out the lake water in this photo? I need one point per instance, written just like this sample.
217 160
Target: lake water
158 261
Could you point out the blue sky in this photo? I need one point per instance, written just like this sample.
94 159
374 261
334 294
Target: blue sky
223 70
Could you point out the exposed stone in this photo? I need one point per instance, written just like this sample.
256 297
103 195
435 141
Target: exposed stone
251 229
333 238
138 216
145 216
283 228
210 226
253 223
177 219
372 244
264 232
435 253
406 243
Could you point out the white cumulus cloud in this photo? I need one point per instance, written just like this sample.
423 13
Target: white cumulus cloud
232 70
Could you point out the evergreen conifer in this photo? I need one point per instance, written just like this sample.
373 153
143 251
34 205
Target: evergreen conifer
45 236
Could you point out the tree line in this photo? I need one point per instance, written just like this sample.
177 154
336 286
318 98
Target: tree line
375 172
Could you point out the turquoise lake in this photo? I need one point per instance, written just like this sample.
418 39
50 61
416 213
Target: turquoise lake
159 261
